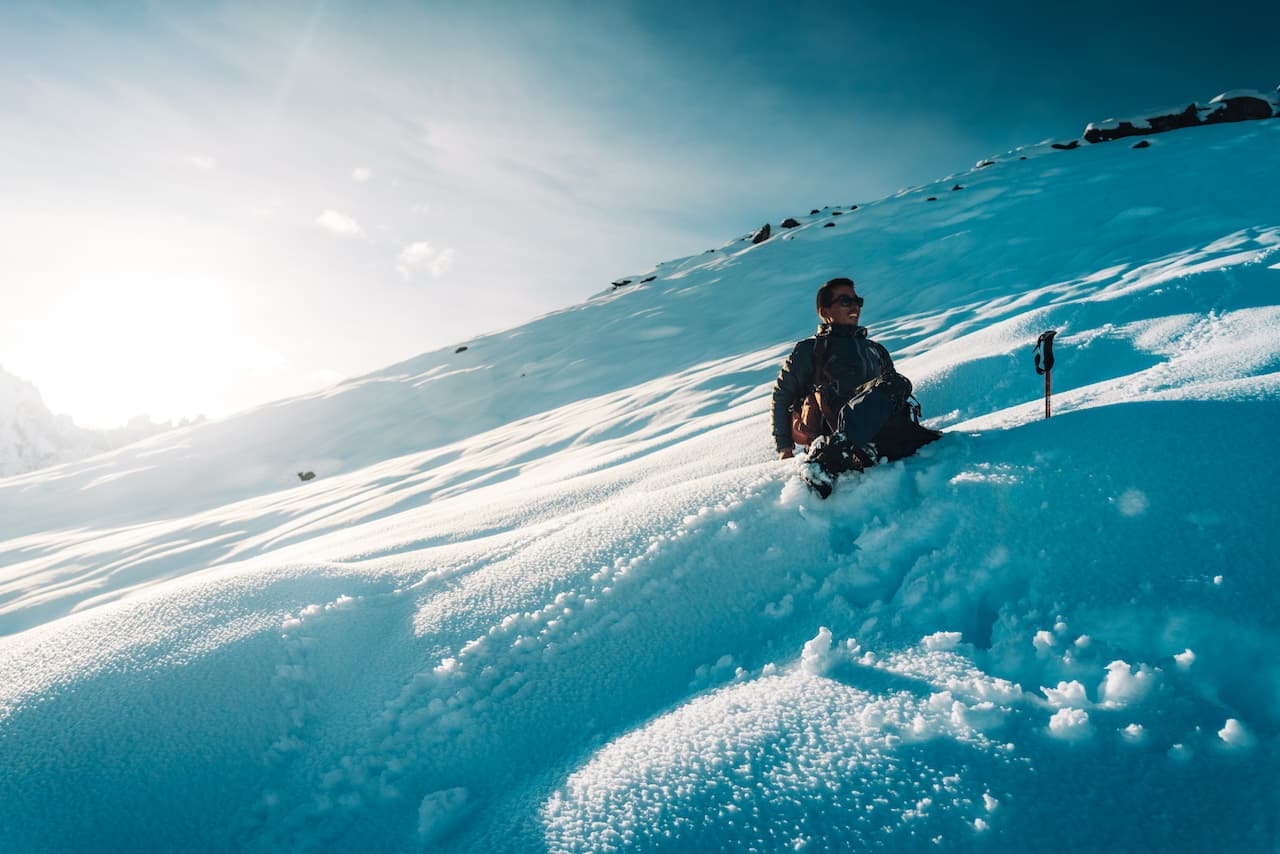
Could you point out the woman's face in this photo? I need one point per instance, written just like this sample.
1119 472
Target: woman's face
842 312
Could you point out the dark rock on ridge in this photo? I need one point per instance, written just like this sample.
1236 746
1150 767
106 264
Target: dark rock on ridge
1234 106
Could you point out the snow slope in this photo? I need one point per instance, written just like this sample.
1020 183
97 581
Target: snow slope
555 593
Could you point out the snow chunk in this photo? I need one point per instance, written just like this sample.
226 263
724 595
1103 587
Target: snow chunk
1185 659
817 657
1124 685
941 641
1067 695
1043 641
1070 724
1235 735
989 802
980 716
1134 734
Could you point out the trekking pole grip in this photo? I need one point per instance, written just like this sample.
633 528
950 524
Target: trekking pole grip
1045 343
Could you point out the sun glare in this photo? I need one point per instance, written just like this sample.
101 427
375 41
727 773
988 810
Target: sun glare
122 347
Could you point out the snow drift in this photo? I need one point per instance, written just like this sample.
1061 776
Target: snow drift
555 593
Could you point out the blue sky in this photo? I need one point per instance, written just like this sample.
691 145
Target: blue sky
207 206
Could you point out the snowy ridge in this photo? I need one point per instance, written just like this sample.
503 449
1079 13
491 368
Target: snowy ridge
554 592
32 437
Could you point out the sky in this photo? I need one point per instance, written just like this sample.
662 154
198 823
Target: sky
204 207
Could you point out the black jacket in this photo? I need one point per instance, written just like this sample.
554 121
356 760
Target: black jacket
854 361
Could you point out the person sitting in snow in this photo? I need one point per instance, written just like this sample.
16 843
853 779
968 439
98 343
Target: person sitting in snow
838 393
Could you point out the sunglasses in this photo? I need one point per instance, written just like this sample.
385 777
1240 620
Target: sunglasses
846 301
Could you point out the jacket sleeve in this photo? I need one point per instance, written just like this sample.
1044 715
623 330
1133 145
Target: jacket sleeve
791 385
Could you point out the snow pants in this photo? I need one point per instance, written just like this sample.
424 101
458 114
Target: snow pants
880 415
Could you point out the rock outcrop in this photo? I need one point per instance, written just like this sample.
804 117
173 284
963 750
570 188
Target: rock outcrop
1238 105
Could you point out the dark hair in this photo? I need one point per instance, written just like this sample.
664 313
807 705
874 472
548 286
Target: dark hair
824 297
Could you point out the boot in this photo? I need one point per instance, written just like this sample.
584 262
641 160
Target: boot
831 456
817 479
834 455
863 458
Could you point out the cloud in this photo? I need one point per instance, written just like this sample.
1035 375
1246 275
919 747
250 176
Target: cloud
361 173
201 161
442 264
423 257
338 223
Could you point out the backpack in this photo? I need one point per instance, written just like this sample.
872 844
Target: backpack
903 434
816 415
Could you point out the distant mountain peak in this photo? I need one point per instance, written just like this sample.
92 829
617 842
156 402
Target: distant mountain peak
33 437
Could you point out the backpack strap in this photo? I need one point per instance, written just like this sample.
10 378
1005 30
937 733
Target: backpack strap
913 408
819 362
829 418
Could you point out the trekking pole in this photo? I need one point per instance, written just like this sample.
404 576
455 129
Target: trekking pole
1046 341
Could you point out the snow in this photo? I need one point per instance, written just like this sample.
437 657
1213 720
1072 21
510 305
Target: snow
555 592
1236 735
440 811
1125 684
1066 695
1070 724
